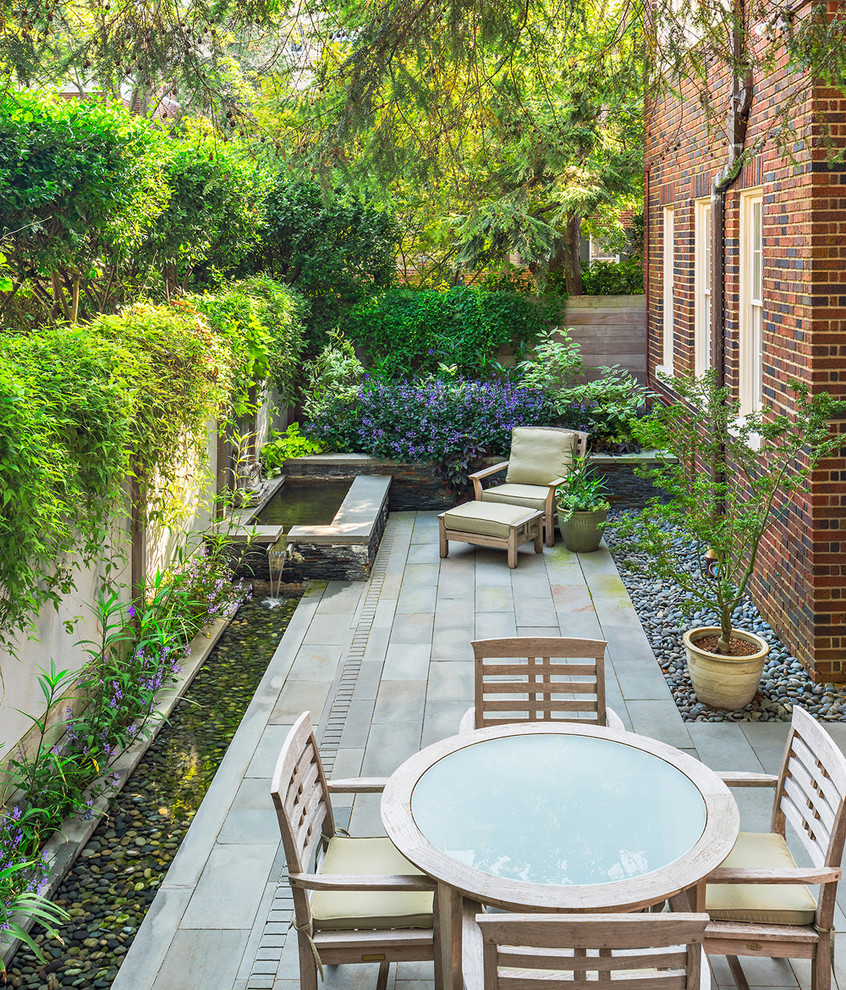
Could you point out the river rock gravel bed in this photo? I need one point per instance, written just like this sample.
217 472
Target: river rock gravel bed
112 884
785 681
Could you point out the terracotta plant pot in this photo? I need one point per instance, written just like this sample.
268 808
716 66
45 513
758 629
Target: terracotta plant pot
724 682
582 531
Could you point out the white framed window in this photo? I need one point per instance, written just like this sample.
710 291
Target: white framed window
702 286
751 300
669 281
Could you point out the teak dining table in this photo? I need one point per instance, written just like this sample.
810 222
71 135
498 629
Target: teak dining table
542 816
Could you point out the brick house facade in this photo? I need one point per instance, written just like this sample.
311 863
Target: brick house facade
784 252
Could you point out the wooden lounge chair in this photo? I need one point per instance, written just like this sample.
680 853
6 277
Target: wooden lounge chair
540 457
758 900
367 903
561 679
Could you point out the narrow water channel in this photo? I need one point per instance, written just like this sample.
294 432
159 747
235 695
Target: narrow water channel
114 881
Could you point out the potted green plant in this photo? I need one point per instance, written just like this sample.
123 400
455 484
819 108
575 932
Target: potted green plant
582 502
726 480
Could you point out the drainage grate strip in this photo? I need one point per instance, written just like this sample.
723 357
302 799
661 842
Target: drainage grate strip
280 915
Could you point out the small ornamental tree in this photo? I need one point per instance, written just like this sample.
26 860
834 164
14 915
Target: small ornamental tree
730 478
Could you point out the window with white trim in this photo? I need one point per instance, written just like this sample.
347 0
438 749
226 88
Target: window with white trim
702 286
669 280
751 300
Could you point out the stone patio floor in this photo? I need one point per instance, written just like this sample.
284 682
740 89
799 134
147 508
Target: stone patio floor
385 668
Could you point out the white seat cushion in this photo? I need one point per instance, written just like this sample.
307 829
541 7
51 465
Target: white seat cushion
764 903
485 518
348 910
540 455
531 496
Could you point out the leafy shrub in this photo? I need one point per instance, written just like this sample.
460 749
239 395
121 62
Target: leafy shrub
97 207
260 320
556 362
613 278
64 452
336 249
332 382
406 331
612 404
213 210
291 444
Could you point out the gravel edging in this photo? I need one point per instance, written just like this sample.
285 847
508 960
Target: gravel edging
63 848
784 682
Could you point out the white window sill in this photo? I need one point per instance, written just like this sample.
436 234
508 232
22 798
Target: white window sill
665 370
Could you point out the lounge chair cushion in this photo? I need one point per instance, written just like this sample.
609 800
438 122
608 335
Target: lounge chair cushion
539 456
350 909
485 518
531 496
764 903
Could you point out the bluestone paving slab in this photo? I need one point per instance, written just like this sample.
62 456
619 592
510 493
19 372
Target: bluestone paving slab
357 723
264 758
421 576
450 681
494 598
532 612
377 642
368 680
202 959
424 553
442 720
329 629
230 887
417 599
768 740
409 661
640 681
538 630
341 596
413 627
389 745
660 720
299 697
491 625
582 625
399 702
316 662
251 819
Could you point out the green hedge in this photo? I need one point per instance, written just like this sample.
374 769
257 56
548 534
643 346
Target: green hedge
405 331
130 393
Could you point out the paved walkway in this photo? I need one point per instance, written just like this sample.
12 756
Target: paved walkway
384 668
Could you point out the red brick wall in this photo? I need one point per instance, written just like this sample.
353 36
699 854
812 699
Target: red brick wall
800 580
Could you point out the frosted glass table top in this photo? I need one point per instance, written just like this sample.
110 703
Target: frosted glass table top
558 809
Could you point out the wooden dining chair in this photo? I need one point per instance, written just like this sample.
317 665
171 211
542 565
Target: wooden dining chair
355 899
589 951
560 679
540 458
758 899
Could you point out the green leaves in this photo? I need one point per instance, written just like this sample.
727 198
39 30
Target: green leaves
731 477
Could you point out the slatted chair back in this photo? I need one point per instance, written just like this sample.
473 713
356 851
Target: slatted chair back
529 679
542 951
302 804
811 795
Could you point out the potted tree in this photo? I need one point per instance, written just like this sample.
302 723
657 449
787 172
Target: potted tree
727 479
582 503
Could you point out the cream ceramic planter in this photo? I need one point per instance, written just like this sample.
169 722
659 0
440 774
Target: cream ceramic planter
724 682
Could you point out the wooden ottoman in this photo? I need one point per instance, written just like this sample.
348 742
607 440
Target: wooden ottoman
491 524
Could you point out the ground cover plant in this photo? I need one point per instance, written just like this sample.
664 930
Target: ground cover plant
108 704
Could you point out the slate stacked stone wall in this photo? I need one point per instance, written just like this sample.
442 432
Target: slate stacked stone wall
337 561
